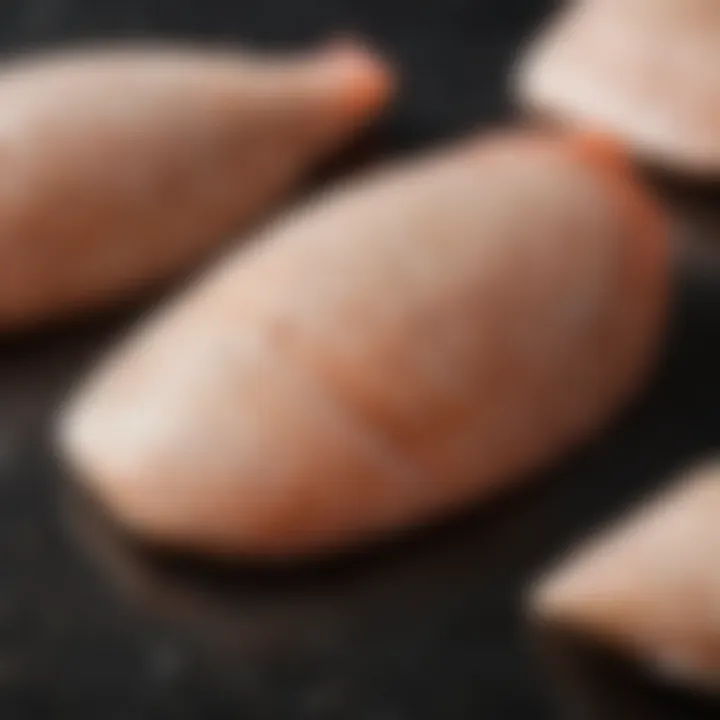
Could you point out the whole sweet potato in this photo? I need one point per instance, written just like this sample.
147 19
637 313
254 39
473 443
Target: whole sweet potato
410 343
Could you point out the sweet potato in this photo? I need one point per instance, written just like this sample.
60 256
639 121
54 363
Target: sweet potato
643 71
651 586
121 168
399 348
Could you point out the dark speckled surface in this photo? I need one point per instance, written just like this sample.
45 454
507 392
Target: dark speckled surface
426 629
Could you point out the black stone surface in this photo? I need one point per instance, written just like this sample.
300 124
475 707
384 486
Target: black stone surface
427 629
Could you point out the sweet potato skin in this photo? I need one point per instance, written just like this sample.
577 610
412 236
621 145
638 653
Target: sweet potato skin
410 343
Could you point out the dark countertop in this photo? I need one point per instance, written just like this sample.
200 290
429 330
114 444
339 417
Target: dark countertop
430 628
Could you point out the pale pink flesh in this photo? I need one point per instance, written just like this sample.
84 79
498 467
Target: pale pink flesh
646 72
120 169
411 343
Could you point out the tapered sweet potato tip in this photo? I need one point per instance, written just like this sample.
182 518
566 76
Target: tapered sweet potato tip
651 585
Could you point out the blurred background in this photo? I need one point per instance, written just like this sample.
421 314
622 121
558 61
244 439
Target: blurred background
428 629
